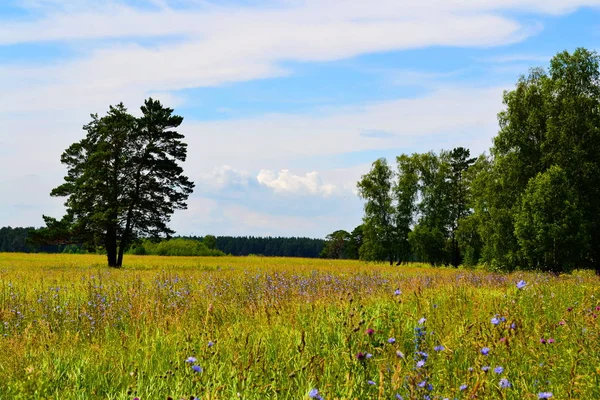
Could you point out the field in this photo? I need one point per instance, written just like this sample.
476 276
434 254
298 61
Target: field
277 328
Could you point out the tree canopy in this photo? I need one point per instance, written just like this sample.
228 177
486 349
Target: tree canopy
124 181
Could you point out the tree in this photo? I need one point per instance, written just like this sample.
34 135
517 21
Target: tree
551 119
210 241
336 245
375 188
547 225
124 180
406 191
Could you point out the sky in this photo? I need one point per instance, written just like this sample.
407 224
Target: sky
286 103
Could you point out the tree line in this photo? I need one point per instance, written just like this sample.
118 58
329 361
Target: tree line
16 240
532 203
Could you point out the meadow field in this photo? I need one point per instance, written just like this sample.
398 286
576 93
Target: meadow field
282 328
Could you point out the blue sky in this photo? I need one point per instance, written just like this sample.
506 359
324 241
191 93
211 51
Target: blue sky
286 102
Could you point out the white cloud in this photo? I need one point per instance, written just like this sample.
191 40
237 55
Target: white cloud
286 182
222 177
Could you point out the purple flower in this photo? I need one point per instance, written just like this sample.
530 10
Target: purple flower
462 387
485 368
422 384
397 292
439 348
191 360
504 383
485 351
211 344
422 321
368 355
371 383
544 395
499 370
521 284
398 397
361 356
543 341
420 363
197 368
495 321
551 340
314 394
370 332
391 340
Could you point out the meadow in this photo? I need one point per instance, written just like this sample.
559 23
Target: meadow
282 328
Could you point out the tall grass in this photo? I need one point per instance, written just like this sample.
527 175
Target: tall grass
280 328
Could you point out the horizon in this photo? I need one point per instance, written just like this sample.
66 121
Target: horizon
311 93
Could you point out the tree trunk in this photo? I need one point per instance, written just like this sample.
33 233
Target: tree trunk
120 256
111 247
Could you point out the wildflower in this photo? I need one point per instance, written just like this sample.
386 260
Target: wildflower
190 360
521 284
397 292
197 368
370 332
570 309
368 355
502 340
422 384
391 340
485 351
504 383
439 348
513 326
562 323
371 383
543 341
361 356
420 363
544 395
423 354
499 370
429 387
398 397
211 344
399 354
485 368
463 387
314 394
422 321
495 321
551 340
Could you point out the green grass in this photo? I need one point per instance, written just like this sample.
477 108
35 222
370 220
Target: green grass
71 328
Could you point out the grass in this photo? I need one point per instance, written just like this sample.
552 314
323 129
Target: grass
277 328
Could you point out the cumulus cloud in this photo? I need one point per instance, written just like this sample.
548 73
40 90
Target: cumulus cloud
223 177
286 182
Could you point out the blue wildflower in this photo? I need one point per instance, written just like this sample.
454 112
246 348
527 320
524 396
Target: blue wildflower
485 368
211 344
391 340
314 394
498 370
495 321
422 321
463 387
191 360
397 292
504 383
399 397
368 355
371 383
422 384
439 348
197 368
485 351
544 395
520 285
420 363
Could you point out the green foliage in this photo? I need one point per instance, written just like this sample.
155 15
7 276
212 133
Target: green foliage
124 181
210 242
548 224
429 244
174 247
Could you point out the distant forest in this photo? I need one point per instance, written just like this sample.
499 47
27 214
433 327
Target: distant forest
15 240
